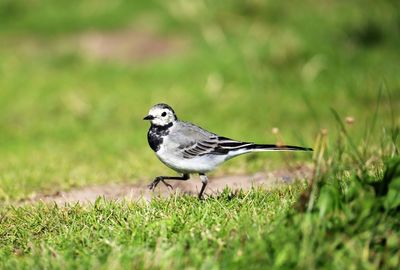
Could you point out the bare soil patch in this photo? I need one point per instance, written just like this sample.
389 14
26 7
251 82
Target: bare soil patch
137 192
129 45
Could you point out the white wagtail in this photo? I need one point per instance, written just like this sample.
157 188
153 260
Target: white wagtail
187 148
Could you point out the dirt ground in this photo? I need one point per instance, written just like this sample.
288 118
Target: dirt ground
130 45
141 192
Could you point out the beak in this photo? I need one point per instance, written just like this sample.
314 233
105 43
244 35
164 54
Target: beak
149 117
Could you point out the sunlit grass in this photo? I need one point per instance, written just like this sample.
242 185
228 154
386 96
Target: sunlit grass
318 74
340 221
69 119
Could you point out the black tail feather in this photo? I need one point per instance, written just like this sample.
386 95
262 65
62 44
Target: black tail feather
225 145
275 147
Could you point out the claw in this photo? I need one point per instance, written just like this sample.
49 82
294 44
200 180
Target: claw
154 184
168 185
150 186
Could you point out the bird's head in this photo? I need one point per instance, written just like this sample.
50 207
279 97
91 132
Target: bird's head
161 115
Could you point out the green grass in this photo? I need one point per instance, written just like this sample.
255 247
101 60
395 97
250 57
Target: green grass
343 222
165 233
70 120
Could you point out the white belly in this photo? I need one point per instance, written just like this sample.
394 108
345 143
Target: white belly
201 164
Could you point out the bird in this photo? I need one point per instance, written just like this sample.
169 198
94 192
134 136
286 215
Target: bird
189 149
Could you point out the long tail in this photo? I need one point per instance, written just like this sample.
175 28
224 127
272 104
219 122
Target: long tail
235 148
275 147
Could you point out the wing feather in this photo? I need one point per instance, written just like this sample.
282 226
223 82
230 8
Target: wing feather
194 141
213 145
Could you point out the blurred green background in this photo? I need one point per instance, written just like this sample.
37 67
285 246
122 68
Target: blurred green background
77 77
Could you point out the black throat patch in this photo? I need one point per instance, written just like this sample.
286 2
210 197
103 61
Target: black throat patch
156 134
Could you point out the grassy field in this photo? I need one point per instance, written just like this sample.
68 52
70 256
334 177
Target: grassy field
71 110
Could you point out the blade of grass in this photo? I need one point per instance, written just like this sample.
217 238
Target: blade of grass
355 153
369 129
394 129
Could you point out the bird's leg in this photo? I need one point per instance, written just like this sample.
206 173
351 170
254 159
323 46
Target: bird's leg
204 180
159 179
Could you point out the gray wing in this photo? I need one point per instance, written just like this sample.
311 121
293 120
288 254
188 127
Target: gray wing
194 141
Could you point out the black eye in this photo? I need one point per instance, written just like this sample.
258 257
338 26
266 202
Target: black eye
163 114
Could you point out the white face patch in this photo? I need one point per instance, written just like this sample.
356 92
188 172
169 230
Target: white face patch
162 116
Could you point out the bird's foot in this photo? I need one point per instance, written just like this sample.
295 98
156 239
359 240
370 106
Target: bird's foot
168 185
156 181
154 184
